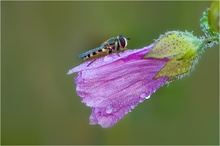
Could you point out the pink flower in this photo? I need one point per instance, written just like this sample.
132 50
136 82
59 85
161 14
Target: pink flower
114 85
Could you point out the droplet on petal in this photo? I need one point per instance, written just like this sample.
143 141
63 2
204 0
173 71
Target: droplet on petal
109 109
143 95
132 106
108 58
147 97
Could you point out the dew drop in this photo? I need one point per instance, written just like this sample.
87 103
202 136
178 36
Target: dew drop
132 106
147 97
108 58
109 109
143 95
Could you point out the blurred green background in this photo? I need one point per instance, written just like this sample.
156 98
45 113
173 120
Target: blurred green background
41 42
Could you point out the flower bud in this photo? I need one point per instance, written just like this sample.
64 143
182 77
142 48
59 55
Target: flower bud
181 48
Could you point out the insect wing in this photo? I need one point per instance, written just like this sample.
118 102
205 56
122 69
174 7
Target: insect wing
109 41
83 55
109 46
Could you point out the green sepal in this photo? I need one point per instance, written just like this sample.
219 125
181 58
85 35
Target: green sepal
181 48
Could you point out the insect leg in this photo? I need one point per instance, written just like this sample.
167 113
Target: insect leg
115 52
93 61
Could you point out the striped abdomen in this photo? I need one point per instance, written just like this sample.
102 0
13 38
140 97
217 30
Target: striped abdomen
93 53
103 50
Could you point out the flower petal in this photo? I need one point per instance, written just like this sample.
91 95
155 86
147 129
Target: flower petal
128 55
113 85
112 89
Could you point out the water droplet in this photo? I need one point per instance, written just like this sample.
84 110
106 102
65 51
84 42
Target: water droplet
108 58
132 106
147 97
143 95
109 109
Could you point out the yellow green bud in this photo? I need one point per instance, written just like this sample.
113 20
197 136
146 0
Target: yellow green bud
181 48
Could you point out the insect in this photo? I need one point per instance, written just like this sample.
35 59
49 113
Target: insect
112 45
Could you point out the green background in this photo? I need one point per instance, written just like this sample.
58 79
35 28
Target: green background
41 42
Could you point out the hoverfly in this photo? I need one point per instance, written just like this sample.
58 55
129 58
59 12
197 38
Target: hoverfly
112 45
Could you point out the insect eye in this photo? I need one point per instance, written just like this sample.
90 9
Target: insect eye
122 41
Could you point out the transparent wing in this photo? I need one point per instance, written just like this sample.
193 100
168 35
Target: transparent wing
109 45
90 51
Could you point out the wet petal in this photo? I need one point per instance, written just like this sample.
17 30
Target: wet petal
114 88
112 85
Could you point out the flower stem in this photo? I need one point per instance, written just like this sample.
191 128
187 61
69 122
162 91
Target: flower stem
211 40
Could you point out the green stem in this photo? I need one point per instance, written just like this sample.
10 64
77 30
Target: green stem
211 39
